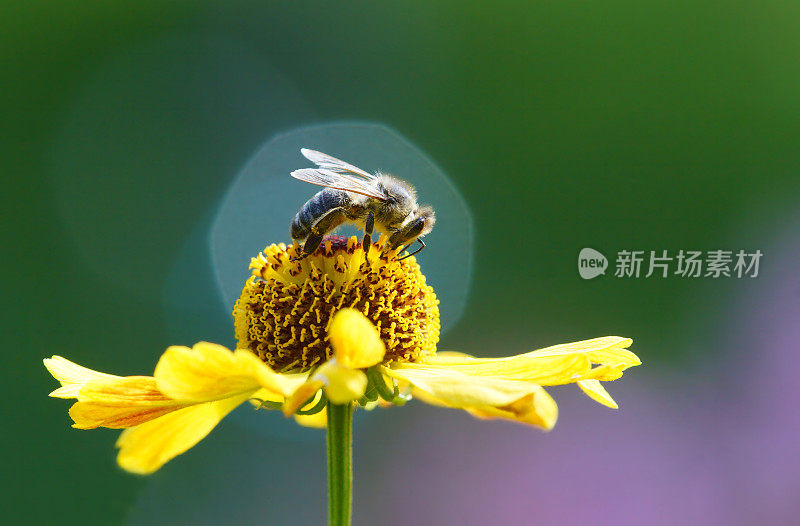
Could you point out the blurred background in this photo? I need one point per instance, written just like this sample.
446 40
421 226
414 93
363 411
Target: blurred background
615 125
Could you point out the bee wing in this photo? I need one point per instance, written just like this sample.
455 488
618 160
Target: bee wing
327 162
338 181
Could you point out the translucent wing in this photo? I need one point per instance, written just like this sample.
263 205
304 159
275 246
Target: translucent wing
327 162
339 181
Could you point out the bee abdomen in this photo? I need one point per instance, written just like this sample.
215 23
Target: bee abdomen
313 209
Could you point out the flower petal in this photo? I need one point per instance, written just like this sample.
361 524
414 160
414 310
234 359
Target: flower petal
482 396
89 415
604 350
120 402
449 357
555 365
317 420
128 390
604 373
537 409
342 384
355 340
302 394
264 395
595 390
211 372
72 376
147 447
547 370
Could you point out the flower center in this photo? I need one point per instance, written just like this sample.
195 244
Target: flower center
285 308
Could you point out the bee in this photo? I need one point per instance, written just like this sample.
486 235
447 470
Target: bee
351 195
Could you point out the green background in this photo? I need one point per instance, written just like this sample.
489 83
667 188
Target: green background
564 124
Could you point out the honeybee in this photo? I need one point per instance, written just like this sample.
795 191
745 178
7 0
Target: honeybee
370 201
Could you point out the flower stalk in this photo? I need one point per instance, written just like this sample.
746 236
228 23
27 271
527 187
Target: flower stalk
340 463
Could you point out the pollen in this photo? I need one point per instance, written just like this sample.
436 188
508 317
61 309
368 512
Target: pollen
287 305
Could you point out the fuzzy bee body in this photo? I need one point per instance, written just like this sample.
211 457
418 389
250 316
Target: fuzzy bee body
316 207
372 202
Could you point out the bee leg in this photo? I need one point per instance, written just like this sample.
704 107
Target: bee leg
407 235
313 241
417 251
367 241
327 222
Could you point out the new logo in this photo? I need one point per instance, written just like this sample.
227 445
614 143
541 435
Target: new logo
591 263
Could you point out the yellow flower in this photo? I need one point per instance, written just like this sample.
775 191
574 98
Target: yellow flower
169 412
335 327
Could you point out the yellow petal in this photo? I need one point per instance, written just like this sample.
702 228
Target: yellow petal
264 394
604 373
449 357
595 390
145 448
342 384
317 420
355 340
605 350
128 390
212 372
272 396
483 396
301 395
555 365
72 376
120 402
536 409
547 370
89 415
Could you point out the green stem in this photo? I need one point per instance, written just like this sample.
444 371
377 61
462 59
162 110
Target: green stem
340 463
